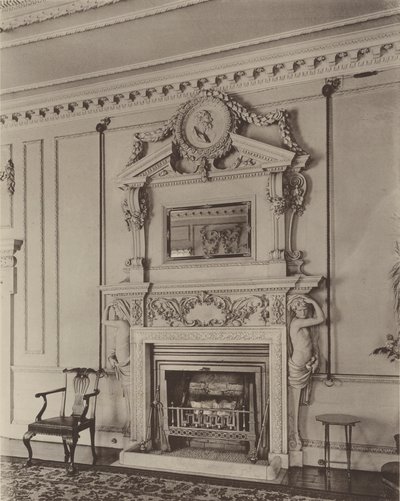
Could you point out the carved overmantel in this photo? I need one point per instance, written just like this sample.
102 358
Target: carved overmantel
202 143
263 185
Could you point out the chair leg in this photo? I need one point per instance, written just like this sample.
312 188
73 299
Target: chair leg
92 434
71 470
27 442
66 451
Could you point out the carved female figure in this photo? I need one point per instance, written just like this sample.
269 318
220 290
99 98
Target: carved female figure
303 355
119 356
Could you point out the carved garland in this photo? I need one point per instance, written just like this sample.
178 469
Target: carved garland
238 113
8 174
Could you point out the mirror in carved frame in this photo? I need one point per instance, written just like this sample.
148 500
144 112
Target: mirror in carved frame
209 231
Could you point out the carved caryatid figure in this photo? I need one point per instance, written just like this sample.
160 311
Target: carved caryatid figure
119 356
303 354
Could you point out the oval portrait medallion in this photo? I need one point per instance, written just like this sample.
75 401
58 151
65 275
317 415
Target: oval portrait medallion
202 128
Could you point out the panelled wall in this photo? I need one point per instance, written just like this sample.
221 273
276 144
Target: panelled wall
55 210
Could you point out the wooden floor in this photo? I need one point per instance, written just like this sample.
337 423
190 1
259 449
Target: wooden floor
362 483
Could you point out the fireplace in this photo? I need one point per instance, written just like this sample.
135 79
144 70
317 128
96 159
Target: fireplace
212 397
187 337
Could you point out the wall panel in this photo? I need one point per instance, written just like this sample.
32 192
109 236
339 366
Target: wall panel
34 248
78 249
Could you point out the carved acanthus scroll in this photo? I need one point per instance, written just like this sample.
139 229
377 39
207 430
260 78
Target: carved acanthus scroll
225 311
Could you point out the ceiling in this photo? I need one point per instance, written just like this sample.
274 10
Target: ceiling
67 41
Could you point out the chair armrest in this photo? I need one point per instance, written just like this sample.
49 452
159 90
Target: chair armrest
44 395
86 399
89 395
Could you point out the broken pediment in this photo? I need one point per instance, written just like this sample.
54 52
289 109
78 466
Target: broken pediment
202 140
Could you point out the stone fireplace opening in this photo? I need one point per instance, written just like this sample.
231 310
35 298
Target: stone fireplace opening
212 398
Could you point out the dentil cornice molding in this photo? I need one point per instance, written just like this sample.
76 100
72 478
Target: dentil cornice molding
374 49
48 14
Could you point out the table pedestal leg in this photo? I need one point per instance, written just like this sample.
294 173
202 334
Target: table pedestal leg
348 430
327 450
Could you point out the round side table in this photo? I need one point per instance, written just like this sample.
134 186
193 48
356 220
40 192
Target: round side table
337 420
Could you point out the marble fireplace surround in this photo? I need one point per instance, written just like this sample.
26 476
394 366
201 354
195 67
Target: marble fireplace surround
273 337
264 325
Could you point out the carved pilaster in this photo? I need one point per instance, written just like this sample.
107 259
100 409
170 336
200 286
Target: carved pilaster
135 209
278 207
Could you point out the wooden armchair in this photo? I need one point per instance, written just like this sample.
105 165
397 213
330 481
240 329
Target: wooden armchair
81 387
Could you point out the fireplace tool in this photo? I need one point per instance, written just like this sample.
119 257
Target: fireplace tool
157 413
254 454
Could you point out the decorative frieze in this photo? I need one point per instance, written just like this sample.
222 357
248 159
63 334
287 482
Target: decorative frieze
215 310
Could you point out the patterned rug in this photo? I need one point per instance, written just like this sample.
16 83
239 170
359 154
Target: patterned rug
47 481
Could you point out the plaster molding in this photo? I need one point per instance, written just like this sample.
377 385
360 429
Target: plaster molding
369 448
344 55
281 284
19 21
45 14
279 61
10 5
